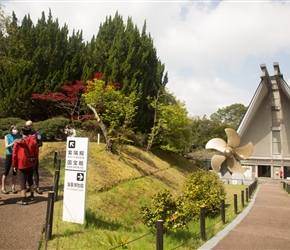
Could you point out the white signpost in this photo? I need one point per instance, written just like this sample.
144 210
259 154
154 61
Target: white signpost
75 180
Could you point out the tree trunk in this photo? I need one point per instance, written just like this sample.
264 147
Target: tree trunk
103 127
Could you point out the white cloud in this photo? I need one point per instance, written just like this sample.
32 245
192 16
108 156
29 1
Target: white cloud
211 50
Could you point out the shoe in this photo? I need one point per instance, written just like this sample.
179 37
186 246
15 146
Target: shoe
37 190
14 191
27 190
22 202
31 198
4 191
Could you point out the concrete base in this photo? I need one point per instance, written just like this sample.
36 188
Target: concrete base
235 179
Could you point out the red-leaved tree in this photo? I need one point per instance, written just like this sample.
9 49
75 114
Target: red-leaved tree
70 99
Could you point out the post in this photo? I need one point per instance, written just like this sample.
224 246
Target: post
236 203
55 159
56 180
247 195
242 198
223 211
49 215
202 223
159 235
251 190
98 138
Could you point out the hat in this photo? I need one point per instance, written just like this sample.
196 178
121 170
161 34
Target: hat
28 123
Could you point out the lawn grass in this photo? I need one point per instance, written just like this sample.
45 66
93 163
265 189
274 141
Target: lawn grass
110 213
117 186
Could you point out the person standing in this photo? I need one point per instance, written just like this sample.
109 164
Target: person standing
37 137
9 142
281 174
69 131
24 158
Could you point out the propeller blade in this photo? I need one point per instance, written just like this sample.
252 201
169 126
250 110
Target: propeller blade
233 138
244 152
234 166
216 162
216 143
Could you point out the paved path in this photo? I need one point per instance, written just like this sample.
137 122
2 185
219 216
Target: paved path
21 227
264 226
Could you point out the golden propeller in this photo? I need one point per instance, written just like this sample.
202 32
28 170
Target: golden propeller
229 151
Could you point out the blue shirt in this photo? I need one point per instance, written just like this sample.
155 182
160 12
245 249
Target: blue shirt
9 141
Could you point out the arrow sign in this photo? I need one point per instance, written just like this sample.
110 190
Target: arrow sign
71 144
80 176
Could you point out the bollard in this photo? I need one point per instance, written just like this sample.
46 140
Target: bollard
247 195
202 223
49 215
55 159
56 180
223 211
159 235
242 198
236 203
55 186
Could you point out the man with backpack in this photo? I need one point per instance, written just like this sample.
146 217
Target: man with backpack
37 137
24 158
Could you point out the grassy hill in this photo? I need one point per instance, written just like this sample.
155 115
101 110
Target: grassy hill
117 186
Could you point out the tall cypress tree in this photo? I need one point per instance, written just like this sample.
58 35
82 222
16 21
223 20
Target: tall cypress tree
46 56
128 57
49 58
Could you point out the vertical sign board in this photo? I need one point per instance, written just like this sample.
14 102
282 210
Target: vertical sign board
75 179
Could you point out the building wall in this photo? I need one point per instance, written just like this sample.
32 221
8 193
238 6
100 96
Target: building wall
285 125
259 131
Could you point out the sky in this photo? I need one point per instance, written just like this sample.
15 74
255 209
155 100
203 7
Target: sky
212 50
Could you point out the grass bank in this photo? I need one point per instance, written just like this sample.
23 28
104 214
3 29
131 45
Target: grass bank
117 186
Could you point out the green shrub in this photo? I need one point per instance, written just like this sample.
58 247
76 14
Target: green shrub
6 124
163 207
91 129
76 124
201 188
52 129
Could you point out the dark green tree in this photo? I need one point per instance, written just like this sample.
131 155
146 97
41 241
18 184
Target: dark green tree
204 129
128 57
231 115
46 57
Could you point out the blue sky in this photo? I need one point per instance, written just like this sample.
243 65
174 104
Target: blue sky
212 50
